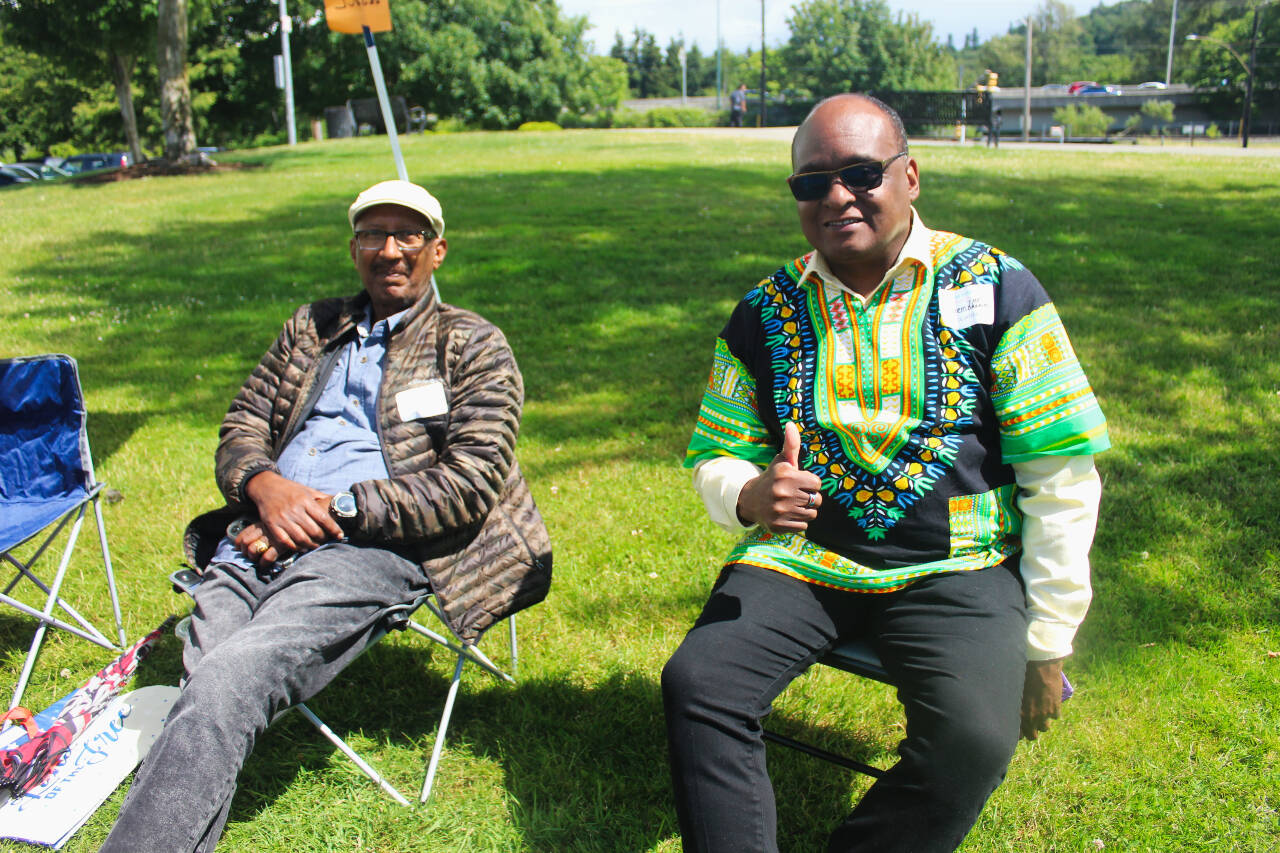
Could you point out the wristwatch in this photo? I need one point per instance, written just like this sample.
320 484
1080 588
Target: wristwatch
343 508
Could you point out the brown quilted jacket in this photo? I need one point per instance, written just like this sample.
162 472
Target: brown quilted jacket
456 501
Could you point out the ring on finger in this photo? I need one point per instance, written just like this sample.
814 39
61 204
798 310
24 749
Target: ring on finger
259 547
812 501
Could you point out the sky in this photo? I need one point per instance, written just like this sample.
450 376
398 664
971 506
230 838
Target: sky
740 19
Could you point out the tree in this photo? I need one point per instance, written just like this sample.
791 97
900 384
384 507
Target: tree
1082 120
175 94
36 102
856 45
87 38
606 81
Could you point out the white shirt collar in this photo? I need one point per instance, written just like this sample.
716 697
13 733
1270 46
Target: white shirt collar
914 250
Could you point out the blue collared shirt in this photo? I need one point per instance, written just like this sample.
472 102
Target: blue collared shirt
338 445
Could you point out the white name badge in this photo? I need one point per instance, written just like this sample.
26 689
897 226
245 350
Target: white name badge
962 307
422 401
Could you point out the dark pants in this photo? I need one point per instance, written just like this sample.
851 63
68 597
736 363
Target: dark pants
953 644
735 117
257 646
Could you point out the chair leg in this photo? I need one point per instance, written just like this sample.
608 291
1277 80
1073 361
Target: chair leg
111 576
440 732
346 750
47 613
515 650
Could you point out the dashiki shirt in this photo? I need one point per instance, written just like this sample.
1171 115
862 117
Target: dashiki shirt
912 410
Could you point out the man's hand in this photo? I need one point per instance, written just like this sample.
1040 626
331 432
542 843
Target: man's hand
1041 696
292 516
784 498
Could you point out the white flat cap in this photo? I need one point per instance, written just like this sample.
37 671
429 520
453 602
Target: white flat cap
401 193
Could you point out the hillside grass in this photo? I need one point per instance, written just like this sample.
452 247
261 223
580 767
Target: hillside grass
611 260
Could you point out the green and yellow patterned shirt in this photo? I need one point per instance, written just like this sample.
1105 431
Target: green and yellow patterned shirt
912 408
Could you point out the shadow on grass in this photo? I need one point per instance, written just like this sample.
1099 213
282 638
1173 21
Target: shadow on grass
585 767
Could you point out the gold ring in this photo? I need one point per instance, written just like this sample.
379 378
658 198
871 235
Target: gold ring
259 547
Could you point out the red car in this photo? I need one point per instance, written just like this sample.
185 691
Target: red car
1075 87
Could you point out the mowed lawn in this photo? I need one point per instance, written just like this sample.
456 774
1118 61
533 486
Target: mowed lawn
611 260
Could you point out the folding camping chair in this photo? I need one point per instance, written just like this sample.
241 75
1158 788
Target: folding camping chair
47 483
856 657
186 581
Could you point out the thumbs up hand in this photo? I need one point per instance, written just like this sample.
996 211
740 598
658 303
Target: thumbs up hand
785 497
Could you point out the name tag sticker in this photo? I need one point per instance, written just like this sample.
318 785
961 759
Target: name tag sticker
962 307
422 401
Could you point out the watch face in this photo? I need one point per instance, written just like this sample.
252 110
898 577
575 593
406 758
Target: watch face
344 505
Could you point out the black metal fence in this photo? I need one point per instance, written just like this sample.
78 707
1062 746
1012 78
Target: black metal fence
920 111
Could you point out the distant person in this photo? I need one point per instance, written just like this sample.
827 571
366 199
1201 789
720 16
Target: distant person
897 427
993 132
737 105
375 439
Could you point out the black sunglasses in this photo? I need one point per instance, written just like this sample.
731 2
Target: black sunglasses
858 177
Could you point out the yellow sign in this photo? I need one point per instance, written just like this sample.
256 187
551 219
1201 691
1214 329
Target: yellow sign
351 16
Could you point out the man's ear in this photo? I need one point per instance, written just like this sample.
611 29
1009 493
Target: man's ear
355 250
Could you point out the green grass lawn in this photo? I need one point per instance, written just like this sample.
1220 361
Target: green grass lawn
611 260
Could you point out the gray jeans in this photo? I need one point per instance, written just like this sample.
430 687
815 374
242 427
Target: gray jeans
256 648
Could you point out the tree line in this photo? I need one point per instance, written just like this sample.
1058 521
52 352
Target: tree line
83 74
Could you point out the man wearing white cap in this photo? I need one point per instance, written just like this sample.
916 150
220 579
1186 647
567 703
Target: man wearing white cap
369 457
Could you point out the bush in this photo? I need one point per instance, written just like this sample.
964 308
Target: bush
539 125
451 125
1158 111
629 118
1082 120
593 121
1212 131
679 117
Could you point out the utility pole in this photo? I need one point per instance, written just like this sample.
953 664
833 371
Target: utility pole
1026 90
1173 25
684 77
286 26
762 63
1248 84
719 45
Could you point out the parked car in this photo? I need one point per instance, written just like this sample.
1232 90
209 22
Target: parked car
22 169
80 163
10 177
1074 88
1152 84
44 171
1100 90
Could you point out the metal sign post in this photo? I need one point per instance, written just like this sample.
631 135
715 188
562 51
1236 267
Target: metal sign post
385 103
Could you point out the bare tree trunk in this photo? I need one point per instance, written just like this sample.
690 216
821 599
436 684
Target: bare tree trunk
175 94
122 78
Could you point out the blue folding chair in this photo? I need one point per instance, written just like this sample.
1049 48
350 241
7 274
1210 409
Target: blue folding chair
47 483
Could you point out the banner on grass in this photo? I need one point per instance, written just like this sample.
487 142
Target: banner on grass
352 16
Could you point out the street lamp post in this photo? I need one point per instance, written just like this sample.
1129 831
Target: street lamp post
1248 70
286 24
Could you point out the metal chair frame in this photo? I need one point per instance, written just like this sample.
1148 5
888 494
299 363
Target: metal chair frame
47 533
465 653
856 657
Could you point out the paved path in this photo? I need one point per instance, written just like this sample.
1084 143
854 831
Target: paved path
1260 147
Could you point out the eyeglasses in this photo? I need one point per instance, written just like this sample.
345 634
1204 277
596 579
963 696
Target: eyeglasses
373 239
858 177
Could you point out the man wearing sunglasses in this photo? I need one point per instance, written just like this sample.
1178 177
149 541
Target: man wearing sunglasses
369 457
899 431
